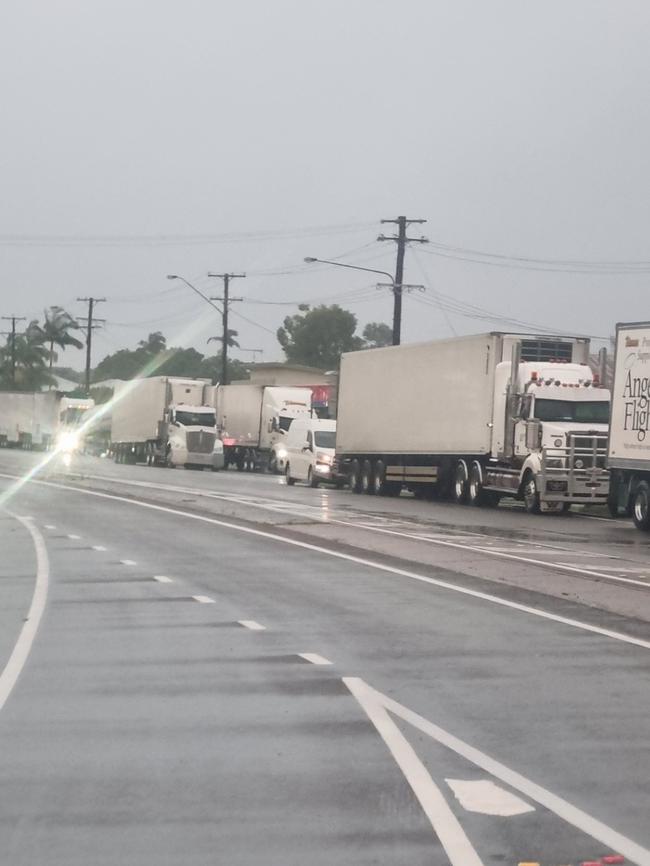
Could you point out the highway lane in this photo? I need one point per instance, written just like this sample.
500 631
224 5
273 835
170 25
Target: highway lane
151 726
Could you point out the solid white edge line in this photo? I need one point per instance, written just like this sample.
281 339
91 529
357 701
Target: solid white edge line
23 645
609 837
304 545
434 805
314 658
161 578
251 624
203 599
99 547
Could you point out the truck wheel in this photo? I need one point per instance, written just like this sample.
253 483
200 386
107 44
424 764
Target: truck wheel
367 479
460 483
476 495
641 506
354 476
531 494
240 462
287 474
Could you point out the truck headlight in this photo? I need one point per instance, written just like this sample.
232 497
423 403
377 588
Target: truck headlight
558 443
68 441
281 453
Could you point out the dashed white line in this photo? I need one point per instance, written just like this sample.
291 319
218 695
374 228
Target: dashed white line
74 537
161 578
49 526
379 566
99 547
251 624
314 659
128 562
203 599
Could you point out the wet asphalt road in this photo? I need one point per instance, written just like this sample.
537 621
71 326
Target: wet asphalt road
149 725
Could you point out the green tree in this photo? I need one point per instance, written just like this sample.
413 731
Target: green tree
318 337
55 331
211 369
377 335
31 363
232 342
155 343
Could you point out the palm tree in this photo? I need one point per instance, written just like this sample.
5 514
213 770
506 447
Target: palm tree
232 342
31 359
55 331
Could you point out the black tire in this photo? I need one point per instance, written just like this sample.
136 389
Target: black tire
240 462
287 474
367 478
531 494
354 476
641 506
460 487
475 491
312 479
379 479
273 465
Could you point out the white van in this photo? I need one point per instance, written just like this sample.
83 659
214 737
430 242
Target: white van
310 451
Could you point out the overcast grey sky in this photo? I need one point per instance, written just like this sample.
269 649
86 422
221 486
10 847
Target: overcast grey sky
514 127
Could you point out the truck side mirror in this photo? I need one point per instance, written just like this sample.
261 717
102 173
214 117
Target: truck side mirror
533 435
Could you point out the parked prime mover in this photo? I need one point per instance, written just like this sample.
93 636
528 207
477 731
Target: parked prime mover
253 421
29 419
166 421
476 418
629 439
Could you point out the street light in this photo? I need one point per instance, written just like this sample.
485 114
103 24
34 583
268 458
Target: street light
194 289
396 288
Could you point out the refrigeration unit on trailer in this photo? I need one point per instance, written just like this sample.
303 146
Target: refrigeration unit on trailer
476 418
29 419
253 421
166 421
629 439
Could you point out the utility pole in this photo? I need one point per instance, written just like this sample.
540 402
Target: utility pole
226 301
401 240
91 324
12 335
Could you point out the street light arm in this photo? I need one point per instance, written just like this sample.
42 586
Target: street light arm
194 289
311 259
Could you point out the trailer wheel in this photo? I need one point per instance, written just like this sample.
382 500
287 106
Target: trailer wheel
641 506
367 479
460 483
531 494
355 476
379 479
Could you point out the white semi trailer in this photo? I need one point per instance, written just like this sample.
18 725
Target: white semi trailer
629 440
253 421
476 418
166 421
29 419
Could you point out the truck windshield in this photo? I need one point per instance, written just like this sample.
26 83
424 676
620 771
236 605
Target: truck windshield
195 419
325 438
591 412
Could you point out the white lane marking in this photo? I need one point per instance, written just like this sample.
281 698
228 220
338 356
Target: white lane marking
49 526
74 537
482 795
204 599
314 659
251 624
23 645
161 578
359 560
445 824
615 841
99 547
128 562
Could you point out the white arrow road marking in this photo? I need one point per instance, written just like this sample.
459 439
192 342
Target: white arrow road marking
445 824
615 841
482 795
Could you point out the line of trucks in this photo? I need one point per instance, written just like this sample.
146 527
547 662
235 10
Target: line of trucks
474 419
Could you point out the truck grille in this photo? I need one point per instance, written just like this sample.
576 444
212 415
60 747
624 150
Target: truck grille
590 450
200 441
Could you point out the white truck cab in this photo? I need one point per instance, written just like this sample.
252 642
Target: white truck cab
310 446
